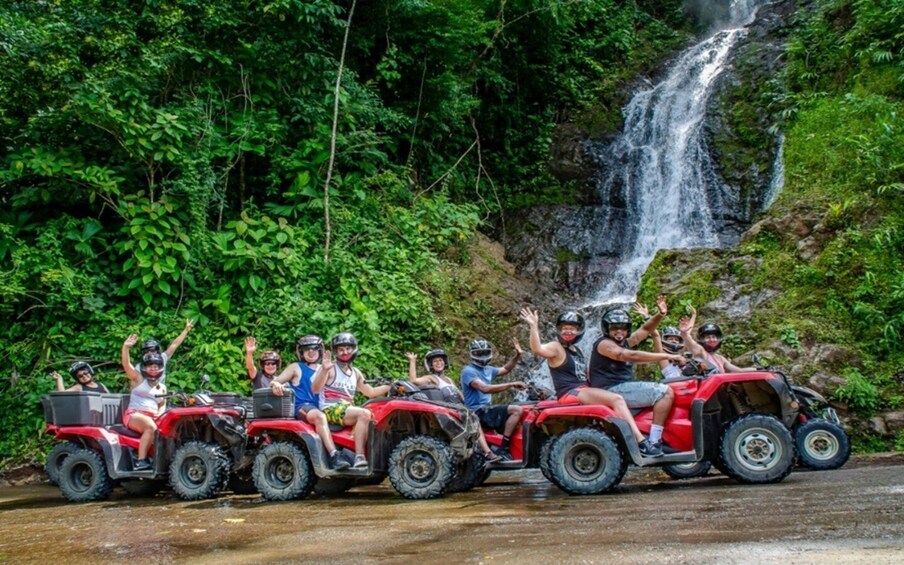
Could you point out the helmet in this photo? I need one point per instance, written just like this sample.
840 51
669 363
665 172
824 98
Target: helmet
344 338
152 358
710 329
78 366
433 354
309 342
672 331
270 356
480 352
149 345
615 316
573 319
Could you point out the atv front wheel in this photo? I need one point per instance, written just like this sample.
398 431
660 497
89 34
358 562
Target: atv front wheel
544 457
757 448
199 470
55 460
586 461
468 473
421 467
681 471
282 471
83 477
822 445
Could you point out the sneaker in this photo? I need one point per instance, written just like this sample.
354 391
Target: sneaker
491 457
504 454
360 462
337 462
648 449
142 464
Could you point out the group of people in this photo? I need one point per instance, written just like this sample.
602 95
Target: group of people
324 382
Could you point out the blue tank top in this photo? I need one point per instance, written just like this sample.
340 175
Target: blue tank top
303 393
606 372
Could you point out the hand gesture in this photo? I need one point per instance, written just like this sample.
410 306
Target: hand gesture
517 346
277 388
130 341
250 344
518 384
686 325
678 360
663 307
327 362
532 317
57 376
189 324
411 356
641 309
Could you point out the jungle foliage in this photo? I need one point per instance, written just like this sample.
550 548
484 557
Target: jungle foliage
166 160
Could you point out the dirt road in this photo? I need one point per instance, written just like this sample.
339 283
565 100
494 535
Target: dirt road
853 515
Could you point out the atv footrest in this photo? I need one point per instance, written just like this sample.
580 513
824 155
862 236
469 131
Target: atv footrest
145 474
679 457
511 464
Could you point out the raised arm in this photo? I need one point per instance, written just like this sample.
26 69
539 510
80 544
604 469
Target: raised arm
650 325
610 349
513 362
367 390
685 326
250 348
59 381
552 351
134 375
174 345
657 348
412 366
323 373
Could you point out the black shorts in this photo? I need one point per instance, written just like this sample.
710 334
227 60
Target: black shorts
493 417
302 410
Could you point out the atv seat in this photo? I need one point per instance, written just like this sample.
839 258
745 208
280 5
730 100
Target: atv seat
122 430
336 427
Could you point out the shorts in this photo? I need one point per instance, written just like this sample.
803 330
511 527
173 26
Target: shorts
302 411
127 415
639 394
493 417
335 413
571 396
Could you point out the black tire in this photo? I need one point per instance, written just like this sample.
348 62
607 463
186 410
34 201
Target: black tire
141 487
586 461
468 473
680 471
822 445
420 467
484 476
55 460
282 471
756 449
199 470
83 477
543 462
328 487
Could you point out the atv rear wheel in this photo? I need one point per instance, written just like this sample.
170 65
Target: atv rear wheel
586 461
421 467
83 477
681 471
822 445
544 457
55 460
757 448
468 473
282 471
141 487
199 470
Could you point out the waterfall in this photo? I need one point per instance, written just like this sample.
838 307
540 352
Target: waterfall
660 183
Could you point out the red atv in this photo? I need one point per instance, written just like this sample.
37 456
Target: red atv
426 448
740 422
194 447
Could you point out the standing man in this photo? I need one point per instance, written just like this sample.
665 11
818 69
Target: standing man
477 385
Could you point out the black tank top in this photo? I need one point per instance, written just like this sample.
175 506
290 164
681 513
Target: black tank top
570 374
606 372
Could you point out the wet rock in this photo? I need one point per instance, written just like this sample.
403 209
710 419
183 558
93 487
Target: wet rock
835 356
567 159
894 421
877 425
825 384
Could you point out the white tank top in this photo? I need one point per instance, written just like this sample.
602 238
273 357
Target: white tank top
143 397
343 387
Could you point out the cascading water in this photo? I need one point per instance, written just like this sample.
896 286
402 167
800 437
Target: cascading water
659 172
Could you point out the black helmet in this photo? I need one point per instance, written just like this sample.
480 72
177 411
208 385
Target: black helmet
152 358
270 356
615 316
78 366
672 331
307 342
149 345
480 352
710 329
572 319
344 338
433 354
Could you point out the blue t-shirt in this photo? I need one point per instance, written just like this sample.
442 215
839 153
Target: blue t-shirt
474 399
303 393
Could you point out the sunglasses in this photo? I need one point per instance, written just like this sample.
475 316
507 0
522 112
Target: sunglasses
270 363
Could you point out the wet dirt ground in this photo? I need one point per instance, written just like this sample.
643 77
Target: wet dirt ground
852 515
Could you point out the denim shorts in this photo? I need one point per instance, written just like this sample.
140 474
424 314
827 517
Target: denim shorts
640 394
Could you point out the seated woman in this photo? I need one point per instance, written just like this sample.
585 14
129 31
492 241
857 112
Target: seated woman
146 401
83 374
436 362
567 366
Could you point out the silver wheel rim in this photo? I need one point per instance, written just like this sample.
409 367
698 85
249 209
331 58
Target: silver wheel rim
758 449
821 445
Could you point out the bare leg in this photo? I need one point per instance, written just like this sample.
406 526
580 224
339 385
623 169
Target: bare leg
146 426
615 402
662 407
514 416
318 420
360 418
